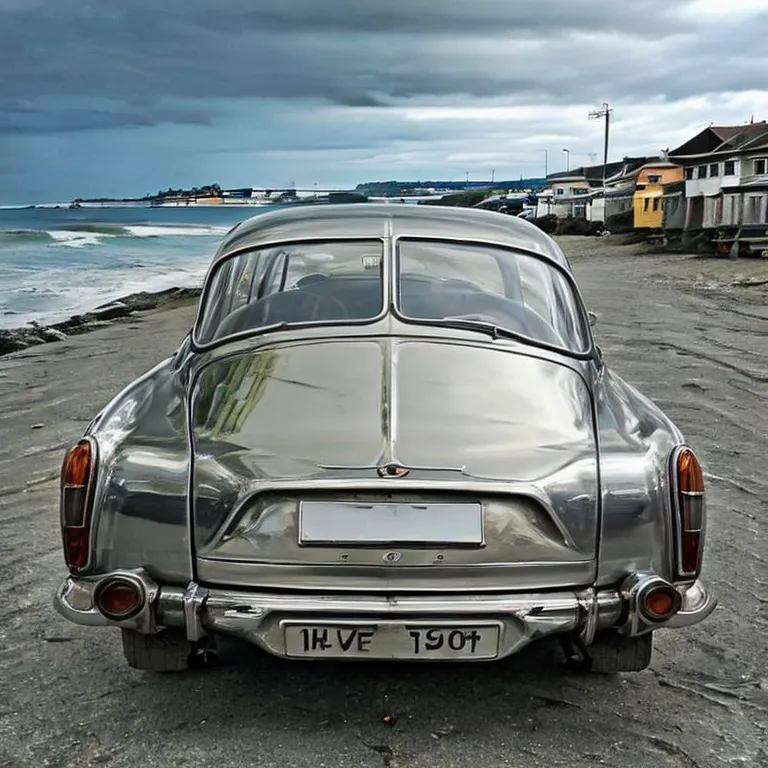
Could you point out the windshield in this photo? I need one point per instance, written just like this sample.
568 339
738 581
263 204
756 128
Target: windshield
510 290
293 283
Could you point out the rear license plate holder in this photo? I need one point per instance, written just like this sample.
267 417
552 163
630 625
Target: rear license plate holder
392 640
341 523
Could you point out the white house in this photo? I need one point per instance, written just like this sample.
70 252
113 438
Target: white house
717 160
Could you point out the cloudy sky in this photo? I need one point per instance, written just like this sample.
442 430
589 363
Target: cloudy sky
111 98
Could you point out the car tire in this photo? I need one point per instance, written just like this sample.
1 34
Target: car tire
167 651
611 653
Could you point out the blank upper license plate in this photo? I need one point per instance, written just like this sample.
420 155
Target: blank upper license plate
348 522
390 640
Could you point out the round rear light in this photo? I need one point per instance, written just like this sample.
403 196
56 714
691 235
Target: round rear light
118 598
660 602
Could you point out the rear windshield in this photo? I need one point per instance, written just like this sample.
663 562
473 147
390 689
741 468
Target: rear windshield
293 283
477 283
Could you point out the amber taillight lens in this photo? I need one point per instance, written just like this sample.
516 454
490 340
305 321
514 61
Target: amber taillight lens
77 473
690 508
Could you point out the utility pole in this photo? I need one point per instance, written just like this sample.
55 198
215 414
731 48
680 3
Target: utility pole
493 175
604 111
546 162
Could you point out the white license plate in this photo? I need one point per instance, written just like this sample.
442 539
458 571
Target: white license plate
392 640
390 523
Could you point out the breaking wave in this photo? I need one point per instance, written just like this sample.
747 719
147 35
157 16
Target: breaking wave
83 235
52 273
55 263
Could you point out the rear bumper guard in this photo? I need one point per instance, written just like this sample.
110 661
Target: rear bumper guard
260 618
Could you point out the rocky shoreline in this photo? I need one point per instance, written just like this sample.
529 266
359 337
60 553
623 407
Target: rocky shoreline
14 339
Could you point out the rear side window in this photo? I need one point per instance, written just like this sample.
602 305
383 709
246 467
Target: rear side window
319 282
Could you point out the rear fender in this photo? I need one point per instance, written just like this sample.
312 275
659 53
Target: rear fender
636 440
140 513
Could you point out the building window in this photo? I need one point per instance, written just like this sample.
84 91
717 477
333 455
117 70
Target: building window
655 203
559 191
730 168
761 166
690 173
645 204
654 178
703 171
714 169
752 209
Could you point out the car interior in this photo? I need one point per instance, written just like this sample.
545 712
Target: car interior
343 296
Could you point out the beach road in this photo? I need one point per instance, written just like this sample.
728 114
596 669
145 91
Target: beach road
690 333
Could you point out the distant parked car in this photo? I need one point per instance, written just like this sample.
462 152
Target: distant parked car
389 434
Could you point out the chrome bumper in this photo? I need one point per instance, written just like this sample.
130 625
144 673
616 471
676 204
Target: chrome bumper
260 618
698 603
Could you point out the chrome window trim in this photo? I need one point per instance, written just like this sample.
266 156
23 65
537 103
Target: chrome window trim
199 347
580 308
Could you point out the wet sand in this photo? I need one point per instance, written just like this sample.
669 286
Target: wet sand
683 330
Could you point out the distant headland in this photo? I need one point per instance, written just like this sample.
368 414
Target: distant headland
214 194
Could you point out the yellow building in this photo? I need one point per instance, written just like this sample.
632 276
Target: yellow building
648 202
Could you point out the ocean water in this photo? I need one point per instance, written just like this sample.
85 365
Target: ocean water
57 262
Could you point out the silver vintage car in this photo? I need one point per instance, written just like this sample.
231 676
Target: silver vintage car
388 435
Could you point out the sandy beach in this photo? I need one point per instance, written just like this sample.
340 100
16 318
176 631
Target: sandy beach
690 333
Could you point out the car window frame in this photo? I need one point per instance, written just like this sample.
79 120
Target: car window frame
580 306
220 262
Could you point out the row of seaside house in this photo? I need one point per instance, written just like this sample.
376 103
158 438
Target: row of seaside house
711 191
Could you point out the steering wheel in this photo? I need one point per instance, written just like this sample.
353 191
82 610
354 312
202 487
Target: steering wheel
319 299
311 279
305 314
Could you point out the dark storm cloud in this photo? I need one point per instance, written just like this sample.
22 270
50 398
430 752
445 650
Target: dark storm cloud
62 115
426 17
111 98
350 52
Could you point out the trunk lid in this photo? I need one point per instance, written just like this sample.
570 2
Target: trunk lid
501 490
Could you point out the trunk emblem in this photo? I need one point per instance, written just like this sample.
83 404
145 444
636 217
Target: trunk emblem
392 470
391 557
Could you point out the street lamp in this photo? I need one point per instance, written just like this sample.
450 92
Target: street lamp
567 159
546 162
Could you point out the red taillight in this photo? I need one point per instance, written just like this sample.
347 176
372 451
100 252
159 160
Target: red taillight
690 510
118 598
660 602
76 498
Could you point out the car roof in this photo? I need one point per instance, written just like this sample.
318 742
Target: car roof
374 220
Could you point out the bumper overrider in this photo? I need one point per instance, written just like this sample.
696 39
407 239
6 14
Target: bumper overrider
485 626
